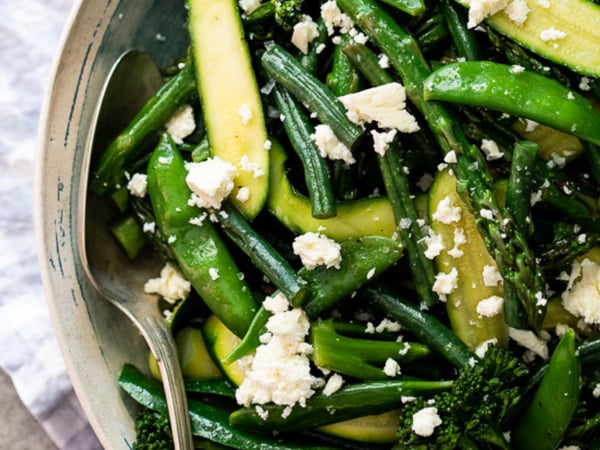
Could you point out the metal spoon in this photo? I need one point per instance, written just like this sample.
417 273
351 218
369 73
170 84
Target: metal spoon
132 80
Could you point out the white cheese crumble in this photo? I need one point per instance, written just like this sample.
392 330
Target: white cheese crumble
243 194
210 181
315 249
552 34
582 295
245 113
181 124
333 18
304 33
459 239
329 145
171 285
391 367
491 306
334 384
491 150
446 212
482 348
491 275
249 6
445 283
596 391
213 273
385 105
517 11
425 421
434 243
138 184
529 340
149 227
382 140
280 370
248 166
479 10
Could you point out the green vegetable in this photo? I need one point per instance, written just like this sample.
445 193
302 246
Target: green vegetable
198 249
110 168
424 326
287 12
362 357
208 422
465 40
412 7
128 232
352 400
520 183
549 412
152 431
308 90
577 19
514 91
229 94
316 172
472 412
264 256
354 218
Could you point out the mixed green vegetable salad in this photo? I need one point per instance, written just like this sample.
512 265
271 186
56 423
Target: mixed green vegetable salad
379 222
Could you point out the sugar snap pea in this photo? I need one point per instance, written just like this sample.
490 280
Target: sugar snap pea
544 421
513 90
198 248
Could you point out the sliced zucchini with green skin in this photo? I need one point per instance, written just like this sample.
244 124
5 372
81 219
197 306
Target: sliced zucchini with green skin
579 20
230 97
471 327
219 342
376 428
369 216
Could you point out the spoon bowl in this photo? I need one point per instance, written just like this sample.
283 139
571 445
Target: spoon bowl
131 82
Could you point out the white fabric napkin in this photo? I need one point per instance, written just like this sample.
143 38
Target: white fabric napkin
29 36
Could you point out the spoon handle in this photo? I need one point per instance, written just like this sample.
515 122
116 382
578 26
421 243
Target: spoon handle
162 346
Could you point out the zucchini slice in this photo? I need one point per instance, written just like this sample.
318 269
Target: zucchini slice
577 26
230 97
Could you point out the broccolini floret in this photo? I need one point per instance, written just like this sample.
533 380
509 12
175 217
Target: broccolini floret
472 412
153 431
287 12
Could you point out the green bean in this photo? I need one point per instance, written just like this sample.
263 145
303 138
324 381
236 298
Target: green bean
316 172
520 183
130 235
110 168
307 89
465 41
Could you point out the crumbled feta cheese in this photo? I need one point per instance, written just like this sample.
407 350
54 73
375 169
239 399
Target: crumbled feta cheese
584 84
211 181
304 33
181 124
245 113
491 150
425 421
171 285
382 140
383 61
596 391
491 275
334 384
450 157
213 273
371 273
391 367
385 105
516 68
517 11
445 283
445 212
243 194
434 244
582 295
552 34
329 145
249 6
276 304
388 325
479 10
333 18
491 306
315 249
459 239
149 227
248 166
544 3
529 340
138 185
280 371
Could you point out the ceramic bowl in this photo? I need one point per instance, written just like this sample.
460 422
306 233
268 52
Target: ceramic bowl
95 338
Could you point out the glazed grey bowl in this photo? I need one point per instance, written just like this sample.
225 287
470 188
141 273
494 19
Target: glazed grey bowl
95 338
